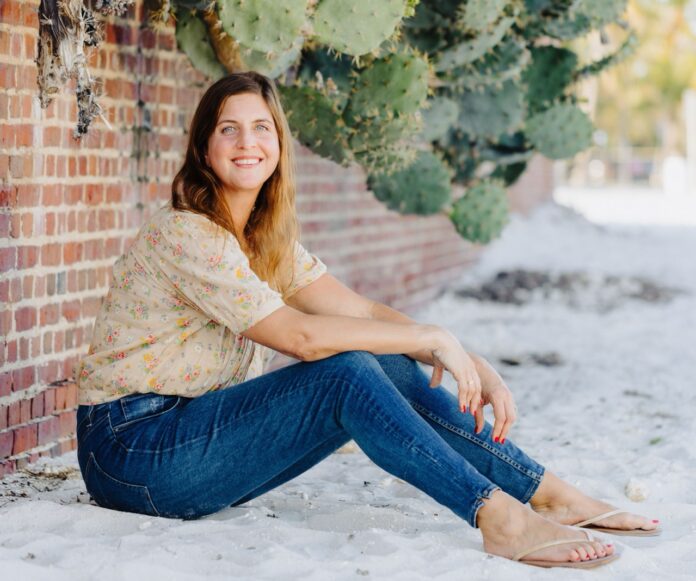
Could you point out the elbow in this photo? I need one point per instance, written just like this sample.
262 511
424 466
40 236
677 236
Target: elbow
301 348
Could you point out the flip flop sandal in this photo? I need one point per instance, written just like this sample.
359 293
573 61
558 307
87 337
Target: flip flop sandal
568 564
587 524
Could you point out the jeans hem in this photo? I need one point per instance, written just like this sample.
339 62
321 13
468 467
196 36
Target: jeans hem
533 486
479 503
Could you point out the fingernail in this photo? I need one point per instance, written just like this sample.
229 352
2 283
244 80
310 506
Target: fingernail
463 409
502 441
472 412
495 439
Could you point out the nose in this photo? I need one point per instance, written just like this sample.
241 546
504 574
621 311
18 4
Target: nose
246 138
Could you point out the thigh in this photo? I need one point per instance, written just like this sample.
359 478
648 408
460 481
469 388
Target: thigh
218 448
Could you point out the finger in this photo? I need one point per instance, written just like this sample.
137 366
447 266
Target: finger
509 419
479 420
499 413
436 379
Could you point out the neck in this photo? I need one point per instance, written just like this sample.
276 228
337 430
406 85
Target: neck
241 204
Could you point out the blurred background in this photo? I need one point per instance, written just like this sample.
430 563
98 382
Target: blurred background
642 165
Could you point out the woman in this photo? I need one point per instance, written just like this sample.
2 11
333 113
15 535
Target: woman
176 418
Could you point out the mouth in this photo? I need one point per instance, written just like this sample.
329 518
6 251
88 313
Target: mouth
246 162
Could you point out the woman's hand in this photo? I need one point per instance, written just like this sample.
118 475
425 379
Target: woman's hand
450 355
494 392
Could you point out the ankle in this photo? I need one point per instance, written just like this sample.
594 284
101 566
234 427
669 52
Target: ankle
500 515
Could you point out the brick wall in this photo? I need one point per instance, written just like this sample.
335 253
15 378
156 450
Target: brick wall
68 209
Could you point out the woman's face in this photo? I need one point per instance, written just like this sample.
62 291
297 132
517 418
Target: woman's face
244 149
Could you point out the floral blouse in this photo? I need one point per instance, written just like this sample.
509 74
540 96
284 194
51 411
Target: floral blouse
172 320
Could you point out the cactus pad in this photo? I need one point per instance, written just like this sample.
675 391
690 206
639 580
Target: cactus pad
421 188
493 111
478 15
192 38
356 27
438 119
263 25
481 214
560 132
548 75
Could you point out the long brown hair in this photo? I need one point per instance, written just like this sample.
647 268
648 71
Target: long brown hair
272 228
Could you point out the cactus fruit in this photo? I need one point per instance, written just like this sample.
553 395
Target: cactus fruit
421 188
481 214
356 27
263 25
316 123
560 132
192 38
548 75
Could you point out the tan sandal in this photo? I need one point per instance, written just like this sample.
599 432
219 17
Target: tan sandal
570 564
588 524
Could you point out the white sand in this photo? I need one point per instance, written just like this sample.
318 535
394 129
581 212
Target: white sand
620 407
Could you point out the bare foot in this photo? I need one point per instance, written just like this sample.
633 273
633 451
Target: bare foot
560 502
509 527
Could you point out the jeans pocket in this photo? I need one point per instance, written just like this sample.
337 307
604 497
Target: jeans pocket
110 492
135 408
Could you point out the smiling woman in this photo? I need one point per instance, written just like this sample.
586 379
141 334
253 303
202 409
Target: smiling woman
177 418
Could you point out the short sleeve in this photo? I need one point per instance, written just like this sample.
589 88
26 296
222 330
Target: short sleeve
308 268
208 267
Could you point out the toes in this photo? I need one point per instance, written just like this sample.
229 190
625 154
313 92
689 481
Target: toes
574 556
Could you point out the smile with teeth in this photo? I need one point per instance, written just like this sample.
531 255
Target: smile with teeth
246 161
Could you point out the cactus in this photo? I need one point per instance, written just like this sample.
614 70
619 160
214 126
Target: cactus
263 25
492 111
398 83
560 132
506 61
192 37
271 64
421 188
481 214
548 75
478 15
439 117
316 122
359 26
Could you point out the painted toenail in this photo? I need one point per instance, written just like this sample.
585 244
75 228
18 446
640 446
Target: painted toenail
656 521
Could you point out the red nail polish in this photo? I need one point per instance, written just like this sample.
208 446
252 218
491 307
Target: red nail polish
502 441
495 439
656 521
463 409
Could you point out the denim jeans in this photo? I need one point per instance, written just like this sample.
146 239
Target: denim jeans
178 457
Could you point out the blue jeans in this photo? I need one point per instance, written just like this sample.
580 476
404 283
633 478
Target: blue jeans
178 457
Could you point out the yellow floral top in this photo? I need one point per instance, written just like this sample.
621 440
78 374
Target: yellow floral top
172 320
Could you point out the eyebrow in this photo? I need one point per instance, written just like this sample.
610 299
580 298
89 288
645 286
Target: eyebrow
234 121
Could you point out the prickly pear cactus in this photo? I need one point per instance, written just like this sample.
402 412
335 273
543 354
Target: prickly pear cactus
263 25
192 37
560 132
481 214
358 26
548 75
478 15
423 187
316 122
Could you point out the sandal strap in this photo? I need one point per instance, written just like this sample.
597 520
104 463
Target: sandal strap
547 544
599 517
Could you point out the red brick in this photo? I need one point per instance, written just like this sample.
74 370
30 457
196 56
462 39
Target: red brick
37 406
6 323
4 291
49 314
25 318
5 383
71 310
71 398
23 378
8 259
3 417
72 252
6 445
25 411
49 430
27 256
4 218
68 421
50 254
49 401
49 371
61 396
13 414
7 467
25 438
